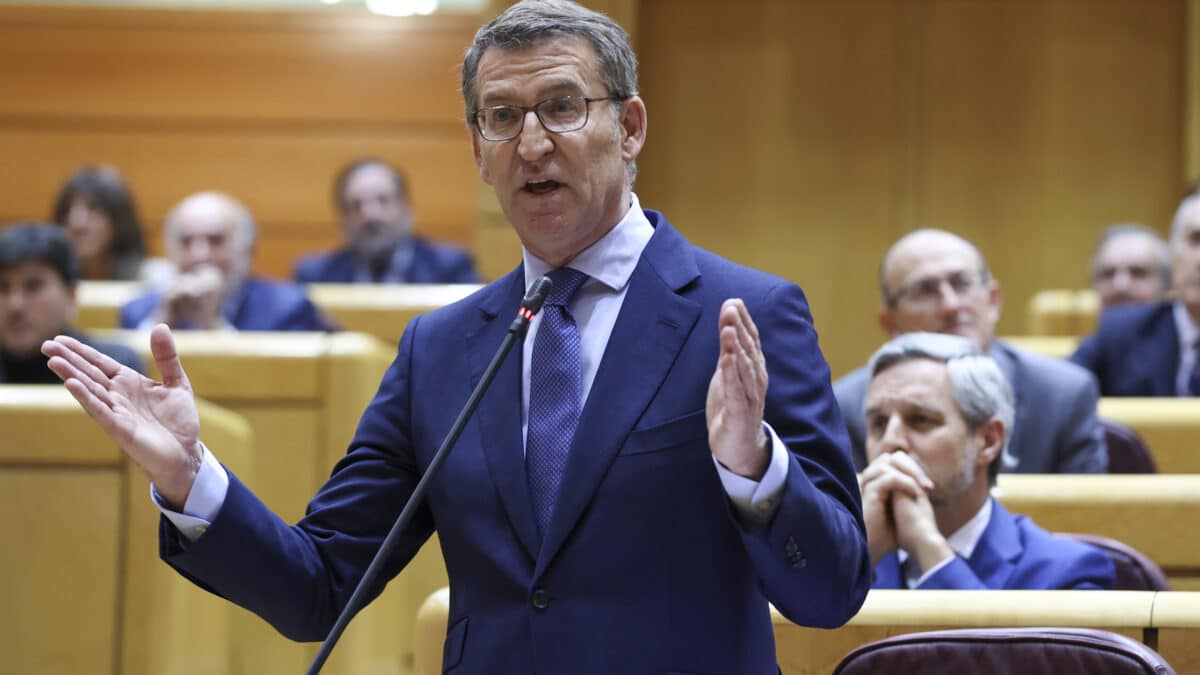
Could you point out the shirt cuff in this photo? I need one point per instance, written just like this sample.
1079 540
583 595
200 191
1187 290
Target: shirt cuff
204 501
756 501
933 570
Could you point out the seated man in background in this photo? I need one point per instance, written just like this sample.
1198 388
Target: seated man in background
38 277
1150 350
938 413
210 238
938 282
1131 264
379 247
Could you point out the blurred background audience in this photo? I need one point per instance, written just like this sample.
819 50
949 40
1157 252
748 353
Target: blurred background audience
38 276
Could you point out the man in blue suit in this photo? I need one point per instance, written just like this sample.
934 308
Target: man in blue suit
631 495
210 238
938 413
1152 349
372 200
936 281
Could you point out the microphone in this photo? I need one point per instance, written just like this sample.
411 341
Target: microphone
530 306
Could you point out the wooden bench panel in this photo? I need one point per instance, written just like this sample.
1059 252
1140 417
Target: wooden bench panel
1169 426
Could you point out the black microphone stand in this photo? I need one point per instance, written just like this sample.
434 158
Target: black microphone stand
530 306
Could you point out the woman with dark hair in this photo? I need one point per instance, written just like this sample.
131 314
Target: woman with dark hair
102 221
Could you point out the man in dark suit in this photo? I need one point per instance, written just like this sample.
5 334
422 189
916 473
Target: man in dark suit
935 281
372 200
39 273
616 505
1151 350
210 238
938 412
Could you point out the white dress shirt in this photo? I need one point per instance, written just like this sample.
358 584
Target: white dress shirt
609 263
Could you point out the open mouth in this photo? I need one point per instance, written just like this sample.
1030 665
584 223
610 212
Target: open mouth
541 187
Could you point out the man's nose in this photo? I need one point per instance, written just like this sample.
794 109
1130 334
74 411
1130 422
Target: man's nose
893 439
534 141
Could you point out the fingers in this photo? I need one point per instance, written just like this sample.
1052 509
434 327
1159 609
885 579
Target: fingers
901 462
84 360
162 347
740 340
883 479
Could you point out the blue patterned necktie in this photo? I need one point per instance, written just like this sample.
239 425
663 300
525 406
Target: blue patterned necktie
1193 384
555 390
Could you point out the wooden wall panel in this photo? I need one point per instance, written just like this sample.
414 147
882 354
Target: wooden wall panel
804 138
264 105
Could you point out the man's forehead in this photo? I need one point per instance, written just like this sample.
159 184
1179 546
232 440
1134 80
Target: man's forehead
553 63
28 268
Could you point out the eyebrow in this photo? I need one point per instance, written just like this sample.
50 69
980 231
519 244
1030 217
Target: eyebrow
550 90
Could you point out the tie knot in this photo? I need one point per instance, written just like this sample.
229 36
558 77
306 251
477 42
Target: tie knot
566 282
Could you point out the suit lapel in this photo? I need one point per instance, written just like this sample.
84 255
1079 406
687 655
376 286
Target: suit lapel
499 413
650 331
994 557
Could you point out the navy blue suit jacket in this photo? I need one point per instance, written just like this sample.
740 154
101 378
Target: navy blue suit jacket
431 263
1013 554
1055 429
645 567
261 304
1134 351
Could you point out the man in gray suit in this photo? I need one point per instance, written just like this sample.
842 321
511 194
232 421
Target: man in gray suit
935 281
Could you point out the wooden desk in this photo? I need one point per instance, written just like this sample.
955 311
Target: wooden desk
1169 426
83 586
383 310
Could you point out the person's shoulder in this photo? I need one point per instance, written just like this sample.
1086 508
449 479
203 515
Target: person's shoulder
485 302
443 249
1133 318
1039 369
852 385
316 267
670 247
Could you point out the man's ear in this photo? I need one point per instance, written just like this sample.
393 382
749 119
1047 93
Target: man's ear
478 153
991 435
887 321
633 128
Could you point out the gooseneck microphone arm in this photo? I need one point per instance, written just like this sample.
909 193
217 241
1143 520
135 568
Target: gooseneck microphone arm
530 306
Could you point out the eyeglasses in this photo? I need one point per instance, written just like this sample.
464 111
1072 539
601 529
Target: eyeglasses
927 293
558 115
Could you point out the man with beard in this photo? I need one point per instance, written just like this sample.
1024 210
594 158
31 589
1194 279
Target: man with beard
38 276
936 281
1151 350
938 413
372 199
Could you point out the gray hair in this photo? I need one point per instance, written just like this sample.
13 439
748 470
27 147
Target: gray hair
244 225
1162 253
1189 202
530 22
976 383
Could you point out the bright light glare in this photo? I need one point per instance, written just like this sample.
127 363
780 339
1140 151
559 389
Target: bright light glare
402 7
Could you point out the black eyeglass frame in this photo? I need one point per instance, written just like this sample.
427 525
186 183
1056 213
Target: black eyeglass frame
477 115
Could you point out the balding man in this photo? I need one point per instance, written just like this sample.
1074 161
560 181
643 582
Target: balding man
1151 350
372 200
935 281
210 238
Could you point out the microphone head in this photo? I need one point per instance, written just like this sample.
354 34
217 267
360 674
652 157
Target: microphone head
537 295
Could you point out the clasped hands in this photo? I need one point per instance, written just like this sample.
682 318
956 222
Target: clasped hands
898 513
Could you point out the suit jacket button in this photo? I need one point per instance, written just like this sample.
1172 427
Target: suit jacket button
541 599
797 559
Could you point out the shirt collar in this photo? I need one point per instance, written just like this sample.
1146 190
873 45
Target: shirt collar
612 259
1188 332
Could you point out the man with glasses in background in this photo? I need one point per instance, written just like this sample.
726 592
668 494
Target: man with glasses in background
937 282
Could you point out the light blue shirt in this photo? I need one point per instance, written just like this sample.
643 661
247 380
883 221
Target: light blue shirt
609 263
